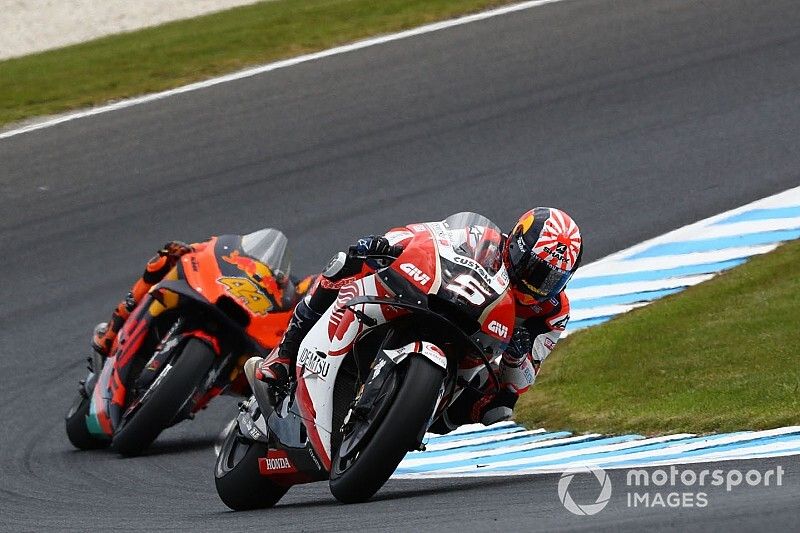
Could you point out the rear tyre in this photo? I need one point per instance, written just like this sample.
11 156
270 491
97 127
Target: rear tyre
239 483
356 480
78 431
166 400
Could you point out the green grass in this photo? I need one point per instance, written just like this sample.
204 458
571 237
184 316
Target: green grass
185 51
720 356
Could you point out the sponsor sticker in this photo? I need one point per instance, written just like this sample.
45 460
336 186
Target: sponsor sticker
276 462
314 362
498 328
415 273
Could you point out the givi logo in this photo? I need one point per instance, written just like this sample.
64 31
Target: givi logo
415 273
498 328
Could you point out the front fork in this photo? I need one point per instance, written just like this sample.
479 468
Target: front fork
374 397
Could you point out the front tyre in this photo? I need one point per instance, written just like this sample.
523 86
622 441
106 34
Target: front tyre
165 401
357 479
239 483
77 430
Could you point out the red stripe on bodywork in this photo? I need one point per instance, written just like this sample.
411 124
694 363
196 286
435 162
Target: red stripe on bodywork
202 335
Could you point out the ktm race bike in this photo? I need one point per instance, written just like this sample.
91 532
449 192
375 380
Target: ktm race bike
186 341
384 361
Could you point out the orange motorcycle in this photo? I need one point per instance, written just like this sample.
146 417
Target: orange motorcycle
185 342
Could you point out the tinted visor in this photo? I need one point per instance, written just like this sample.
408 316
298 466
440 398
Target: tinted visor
535 277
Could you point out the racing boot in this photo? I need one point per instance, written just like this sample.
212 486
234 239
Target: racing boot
275 369
105 333
97 356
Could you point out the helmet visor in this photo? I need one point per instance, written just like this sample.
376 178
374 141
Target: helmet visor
535 277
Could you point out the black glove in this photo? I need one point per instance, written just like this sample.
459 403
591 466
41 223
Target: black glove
519 347
372 245
175 249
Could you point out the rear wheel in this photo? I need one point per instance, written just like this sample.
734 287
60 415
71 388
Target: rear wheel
356 478
77 430
239 483
163 402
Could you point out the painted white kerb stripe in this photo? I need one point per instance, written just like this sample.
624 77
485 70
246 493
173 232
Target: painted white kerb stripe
421 30
617 260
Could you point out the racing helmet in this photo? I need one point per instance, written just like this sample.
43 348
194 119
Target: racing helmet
542 252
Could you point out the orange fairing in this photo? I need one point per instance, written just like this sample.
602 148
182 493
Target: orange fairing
202 272
257 271
268 330
254 288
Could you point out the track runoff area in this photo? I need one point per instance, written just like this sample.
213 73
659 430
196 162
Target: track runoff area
616 284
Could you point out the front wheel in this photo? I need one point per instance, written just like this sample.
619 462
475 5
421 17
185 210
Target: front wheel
77 430
164 399
356 479
239 483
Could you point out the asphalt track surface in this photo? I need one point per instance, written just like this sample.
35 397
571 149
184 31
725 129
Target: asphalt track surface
635 116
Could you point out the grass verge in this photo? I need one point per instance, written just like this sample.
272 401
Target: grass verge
720 356
181 52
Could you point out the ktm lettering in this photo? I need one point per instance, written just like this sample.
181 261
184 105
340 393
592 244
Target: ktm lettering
500 329
415 273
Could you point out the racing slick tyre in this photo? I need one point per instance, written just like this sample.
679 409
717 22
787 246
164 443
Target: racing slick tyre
357 479
77 430
164 400
239 483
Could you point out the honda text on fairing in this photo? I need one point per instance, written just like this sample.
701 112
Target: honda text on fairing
393 352
185 342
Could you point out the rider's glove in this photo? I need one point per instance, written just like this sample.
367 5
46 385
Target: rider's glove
517 368
372 245
519 348
175 249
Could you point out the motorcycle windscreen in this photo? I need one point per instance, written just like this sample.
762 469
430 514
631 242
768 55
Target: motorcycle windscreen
270 246
475 236
471 265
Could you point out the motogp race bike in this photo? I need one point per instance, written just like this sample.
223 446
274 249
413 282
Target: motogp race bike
186 341
383 362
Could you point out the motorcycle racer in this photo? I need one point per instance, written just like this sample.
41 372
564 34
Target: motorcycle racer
156 269
541 253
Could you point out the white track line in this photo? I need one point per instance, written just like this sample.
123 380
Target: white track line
786 198
477 441
247 73
736 229
650 455
632 287
420 460
605 267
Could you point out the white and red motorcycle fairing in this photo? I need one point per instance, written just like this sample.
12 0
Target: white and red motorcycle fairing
335 333
444 300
